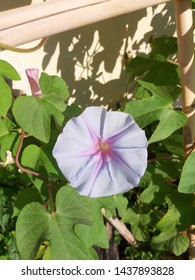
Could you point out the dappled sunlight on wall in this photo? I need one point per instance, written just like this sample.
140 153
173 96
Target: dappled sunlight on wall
90 58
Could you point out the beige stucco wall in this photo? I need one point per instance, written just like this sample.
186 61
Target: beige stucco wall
89 58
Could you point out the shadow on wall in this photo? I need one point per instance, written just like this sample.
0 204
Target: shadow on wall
7 4
90 58
10 4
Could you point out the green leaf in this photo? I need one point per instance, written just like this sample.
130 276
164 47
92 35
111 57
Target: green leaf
174 145
164 46
25 197
167 241
157 108
130 217
5 97
170 121
5 126
154 66
34 114
95 234
71 111
163 74
37 159
167 169
170 219
138 66
139 233
34 157
155 192
8 142
121 204
164 92
8 70
53 86
12 248
35 225
141 92
139 223
187 180
180 214
108 203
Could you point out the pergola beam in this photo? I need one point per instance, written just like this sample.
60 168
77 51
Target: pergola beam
29 23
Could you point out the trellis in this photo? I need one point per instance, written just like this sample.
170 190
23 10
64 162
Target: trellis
33 22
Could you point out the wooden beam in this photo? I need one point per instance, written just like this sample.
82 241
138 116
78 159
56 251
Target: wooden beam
33 22
184 25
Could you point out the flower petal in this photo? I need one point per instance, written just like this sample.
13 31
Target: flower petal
112 179
132 137
94 118
95 172
116 123
132 161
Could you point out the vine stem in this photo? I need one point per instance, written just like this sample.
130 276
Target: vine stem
184 26
18 154
37 174
22 50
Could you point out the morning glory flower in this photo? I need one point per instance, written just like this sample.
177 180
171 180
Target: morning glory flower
102 153
33 78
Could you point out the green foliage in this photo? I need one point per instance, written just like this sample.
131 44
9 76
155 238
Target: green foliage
6 71
187 181
158 212
39 110
157 108
56 228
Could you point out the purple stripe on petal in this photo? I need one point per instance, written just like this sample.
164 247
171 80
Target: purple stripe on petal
112 178
126 148
115 137
92 133
99 165
123 164
88 152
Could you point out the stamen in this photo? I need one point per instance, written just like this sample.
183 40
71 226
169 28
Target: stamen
104 147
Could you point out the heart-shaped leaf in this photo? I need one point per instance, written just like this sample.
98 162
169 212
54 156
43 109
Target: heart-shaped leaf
34 114
35 225
157 108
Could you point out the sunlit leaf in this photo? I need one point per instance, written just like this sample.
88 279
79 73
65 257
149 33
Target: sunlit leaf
8 70
34 114
187 181
157 108
5 97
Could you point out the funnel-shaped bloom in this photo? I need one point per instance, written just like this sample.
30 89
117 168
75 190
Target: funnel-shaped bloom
33 78
102 153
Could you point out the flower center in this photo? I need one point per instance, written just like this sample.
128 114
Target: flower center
104 147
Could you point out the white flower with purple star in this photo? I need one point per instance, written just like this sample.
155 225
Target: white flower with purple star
102 152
